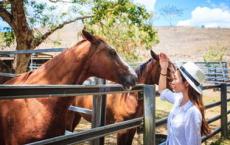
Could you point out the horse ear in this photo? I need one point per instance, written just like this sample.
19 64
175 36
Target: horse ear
154 55
88 36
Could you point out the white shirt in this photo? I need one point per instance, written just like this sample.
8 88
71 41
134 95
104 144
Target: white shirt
184 122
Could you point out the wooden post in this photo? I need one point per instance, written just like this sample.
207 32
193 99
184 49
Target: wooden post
98 118
224 119
149 115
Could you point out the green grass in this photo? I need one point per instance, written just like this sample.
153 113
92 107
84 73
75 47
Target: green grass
221 142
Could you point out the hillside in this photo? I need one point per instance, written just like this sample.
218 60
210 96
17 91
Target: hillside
187 43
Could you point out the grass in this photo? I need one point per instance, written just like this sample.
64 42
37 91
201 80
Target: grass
221 142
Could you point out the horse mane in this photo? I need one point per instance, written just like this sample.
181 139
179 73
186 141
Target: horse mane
60 57
53 62
79 43
83 40
141 68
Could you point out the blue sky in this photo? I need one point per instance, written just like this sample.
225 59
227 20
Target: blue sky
209 13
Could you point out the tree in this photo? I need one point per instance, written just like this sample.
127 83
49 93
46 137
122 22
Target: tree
24 16
124 25
170 12
106 18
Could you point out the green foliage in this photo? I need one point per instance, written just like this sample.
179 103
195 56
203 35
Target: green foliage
214 53
7 37
46 15
40 14
124 25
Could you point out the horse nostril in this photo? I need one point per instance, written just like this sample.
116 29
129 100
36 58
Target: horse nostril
128 80
132 80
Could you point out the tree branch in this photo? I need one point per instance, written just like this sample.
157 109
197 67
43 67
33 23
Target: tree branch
6 16
39 40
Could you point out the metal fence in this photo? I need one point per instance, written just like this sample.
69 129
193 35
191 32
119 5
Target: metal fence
17 92
215 72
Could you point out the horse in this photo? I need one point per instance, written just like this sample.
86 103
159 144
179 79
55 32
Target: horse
28 120
121 107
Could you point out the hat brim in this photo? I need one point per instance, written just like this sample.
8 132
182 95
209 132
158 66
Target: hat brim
197 88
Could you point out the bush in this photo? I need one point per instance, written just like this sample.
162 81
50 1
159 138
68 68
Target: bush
214 53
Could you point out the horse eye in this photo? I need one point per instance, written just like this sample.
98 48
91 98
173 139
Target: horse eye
113 52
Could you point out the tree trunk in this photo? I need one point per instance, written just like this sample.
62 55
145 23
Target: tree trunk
24 36
21 61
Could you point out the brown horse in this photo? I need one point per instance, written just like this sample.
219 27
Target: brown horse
120 107
28 120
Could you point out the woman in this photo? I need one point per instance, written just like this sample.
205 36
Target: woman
186 121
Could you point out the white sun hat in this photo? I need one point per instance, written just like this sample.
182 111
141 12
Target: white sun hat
193 74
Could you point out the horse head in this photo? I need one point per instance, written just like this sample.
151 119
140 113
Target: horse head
104 62
149 72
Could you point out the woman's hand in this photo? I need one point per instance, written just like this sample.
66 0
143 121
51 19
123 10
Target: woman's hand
164 62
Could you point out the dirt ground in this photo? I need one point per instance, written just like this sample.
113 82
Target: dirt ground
162 110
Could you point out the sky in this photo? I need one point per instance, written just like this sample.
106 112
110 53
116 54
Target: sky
195 13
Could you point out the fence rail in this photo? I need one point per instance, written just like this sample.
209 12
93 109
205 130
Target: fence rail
32 51
18 92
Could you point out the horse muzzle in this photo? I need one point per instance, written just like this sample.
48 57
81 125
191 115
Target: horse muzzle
128 81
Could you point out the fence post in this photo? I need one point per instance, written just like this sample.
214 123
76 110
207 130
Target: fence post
98 118
149 115
224 119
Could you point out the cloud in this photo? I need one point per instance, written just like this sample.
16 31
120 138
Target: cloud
149 4
208 17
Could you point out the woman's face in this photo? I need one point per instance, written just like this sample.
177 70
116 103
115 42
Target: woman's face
177 84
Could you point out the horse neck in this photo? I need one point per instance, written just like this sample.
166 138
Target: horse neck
66 68
145 75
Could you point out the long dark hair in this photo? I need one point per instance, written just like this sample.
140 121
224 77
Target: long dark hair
196 99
